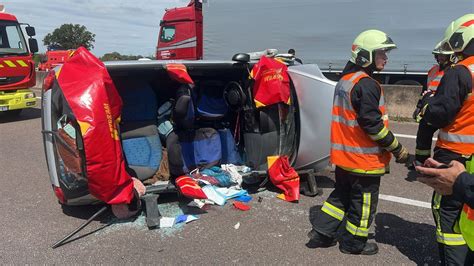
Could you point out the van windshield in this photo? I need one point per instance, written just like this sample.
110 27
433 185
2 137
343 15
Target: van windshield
12 41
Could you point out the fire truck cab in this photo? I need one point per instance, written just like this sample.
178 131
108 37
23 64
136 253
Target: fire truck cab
17 69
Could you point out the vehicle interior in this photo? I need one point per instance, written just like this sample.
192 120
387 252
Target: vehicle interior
212 122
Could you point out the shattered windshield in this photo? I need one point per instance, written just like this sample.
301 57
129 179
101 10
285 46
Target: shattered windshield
11 39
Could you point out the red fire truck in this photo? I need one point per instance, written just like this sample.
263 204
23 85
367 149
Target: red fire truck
17 69
54 58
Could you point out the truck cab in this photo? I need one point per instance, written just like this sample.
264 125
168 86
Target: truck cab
17 69
181 33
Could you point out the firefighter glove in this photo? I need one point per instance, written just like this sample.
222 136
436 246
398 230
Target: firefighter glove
403 156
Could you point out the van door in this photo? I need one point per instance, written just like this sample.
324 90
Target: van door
314 98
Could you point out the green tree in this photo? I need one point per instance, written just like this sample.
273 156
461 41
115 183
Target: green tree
115 56
70 36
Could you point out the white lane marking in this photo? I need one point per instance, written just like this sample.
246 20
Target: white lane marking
406 201
409 136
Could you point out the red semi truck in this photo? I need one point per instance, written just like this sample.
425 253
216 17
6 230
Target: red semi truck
17 69
320 31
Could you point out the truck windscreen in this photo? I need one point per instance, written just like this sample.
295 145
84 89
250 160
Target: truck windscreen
11 39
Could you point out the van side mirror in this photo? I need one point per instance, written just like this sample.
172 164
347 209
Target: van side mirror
33 44
30 31
241 58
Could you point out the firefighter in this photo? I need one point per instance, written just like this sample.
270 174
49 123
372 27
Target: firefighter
451 110
361 147
444 58
457 182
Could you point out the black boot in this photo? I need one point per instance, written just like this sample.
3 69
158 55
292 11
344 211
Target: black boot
317 240
369 249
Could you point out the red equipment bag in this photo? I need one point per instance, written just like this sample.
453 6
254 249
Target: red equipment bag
190 187
284 177
272 84
96 105
179 73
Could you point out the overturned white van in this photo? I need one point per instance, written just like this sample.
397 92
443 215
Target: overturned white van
136 107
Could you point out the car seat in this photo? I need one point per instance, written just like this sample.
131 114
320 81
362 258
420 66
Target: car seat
140 138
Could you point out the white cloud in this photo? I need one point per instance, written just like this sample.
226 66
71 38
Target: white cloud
124 26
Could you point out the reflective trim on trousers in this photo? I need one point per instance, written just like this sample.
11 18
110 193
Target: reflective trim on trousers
444 238
333 211
364 221
357 231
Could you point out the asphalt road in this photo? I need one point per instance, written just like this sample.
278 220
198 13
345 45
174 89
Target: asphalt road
272 232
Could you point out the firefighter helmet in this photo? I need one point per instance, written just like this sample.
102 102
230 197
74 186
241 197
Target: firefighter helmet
455 24
462 37
366 43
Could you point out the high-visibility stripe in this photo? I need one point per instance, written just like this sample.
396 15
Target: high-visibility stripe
382 134
340 119
357 231
444 238
393 145
9 63
21 63
371 150
364 221
443 135
422 152
379 171
450 239
333 211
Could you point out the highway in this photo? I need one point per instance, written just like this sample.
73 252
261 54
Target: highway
272 232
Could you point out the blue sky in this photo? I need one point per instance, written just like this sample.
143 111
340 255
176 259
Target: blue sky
124 26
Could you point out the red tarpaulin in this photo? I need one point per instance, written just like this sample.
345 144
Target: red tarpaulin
272 84
96 104
284 177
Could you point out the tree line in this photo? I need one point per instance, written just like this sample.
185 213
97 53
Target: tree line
72 36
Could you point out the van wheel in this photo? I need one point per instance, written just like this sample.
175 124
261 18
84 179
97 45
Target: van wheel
408 82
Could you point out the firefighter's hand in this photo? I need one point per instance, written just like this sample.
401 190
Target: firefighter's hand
403 156
139 187
442 180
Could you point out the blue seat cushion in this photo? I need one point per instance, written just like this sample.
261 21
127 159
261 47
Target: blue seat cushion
142 149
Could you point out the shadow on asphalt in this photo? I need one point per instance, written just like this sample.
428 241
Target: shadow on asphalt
26 114
414 240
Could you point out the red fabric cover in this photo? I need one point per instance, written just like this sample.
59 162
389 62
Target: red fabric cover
241 206
284 177
179 73
272 84
189 187
92 96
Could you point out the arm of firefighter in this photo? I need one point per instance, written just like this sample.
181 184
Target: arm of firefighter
442 108
365 98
